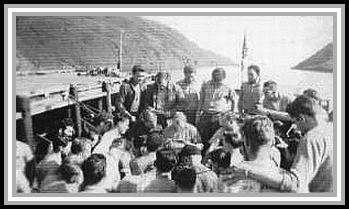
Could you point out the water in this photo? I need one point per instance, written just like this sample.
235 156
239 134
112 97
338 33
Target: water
290 81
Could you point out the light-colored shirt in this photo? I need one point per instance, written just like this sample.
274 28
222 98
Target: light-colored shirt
192 95
106 141
206 179
23 155
143 164
136 102
312 169
216 99
135 184
187 133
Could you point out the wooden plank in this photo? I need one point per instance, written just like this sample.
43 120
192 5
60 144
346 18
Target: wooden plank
24 103
77 110
109 106
100 104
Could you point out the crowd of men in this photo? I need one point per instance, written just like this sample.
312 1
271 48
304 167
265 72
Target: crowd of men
188 137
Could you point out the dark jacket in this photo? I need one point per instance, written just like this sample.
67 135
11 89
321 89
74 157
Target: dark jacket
173 99
126 96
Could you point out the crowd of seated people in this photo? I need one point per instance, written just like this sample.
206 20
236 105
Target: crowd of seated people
155 143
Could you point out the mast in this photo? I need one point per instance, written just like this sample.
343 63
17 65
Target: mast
243 57
120 53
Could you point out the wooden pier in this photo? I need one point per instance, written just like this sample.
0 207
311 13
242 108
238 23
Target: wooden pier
60 96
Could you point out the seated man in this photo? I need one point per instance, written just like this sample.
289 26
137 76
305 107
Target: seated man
185 179
145 163
206 179
260 150
182 131
228 124
94 171
312 169
138 132
166 160
275 103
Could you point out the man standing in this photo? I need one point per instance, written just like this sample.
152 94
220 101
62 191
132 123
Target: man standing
216 98
164 98
130 99
251 95
312 169
191 90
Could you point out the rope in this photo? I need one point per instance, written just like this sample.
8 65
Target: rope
82 105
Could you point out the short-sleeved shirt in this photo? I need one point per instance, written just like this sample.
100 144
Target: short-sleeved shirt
216 99
250 98
192 95
187 133
312 169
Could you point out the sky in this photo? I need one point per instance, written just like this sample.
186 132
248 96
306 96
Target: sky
274 42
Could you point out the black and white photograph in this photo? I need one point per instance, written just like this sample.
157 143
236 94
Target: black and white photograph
231 103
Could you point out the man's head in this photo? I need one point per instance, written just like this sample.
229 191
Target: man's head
162 78
179 119
192 152
94 169
253 73
148 118
218 75
154 141
185 178
258 131
122 122
305 112
270 90
189 73
104 122
138 74
166 160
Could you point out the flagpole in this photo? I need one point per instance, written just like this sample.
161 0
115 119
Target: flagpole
243 63
243 57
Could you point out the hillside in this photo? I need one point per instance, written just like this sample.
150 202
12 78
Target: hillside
60 42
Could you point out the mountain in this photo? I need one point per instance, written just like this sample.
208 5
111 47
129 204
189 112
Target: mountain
61 42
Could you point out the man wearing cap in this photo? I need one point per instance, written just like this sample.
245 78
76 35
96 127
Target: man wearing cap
191 90
130 99
216 97
206 179
164 97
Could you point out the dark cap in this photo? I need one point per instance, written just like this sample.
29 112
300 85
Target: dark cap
188 150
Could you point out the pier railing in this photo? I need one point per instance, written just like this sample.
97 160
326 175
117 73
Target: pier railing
33 104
